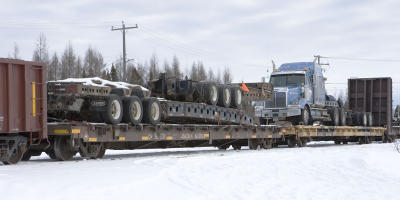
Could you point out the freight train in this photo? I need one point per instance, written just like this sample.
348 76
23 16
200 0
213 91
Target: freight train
88 116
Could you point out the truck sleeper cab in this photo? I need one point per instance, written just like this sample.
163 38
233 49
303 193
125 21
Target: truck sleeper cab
300 96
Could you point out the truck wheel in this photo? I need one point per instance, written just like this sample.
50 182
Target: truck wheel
211 94
114 110
133 110
236 95
342 117
362 119
370 119
224 94
306 116
335 116
152 111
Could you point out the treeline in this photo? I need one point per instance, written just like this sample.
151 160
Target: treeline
92 64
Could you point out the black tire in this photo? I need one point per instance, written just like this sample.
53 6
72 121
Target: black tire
370 119
306 116
236 94
113 111
152 111
335 117
342 117
362 119
224 95
133 110
211 93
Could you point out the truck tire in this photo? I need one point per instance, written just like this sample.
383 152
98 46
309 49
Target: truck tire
224 94
113 111
370 119
306 116
236 95
211 93
362 119
133 110
334 113
342 117
152 111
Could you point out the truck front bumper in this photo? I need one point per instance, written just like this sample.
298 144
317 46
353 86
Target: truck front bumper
277 114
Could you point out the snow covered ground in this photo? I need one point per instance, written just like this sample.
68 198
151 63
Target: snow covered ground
319 171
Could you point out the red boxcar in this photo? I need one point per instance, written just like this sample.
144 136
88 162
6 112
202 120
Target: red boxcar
23 107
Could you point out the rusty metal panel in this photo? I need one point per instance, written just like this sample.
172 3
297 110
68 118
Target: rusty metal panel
372 95
23 106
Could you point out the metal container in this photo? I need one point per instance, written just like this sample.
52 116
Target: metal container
23 106
372 95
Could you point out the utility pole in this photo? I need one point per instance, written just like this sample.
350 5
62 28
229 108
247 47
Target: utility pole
123 29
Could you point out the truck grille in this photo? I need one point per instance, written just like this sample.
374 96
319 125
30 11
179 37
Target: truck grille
279 101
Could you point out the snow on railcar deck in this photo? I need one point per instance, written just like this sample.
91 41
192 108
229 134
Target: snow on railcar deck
320 171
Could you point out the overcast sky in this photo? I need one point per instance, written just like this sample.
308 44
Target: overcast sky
244 35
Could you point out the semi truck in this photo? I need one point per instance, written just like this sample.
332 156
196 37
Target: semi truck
300 97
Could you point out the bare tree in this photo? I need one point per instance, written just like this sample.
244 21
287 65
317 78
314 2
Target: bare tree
194 75
202 75
53 68
227 76
168 70
78 72
93 62
68 62
218 78
154 69
41 53
175 68
211 76
16 51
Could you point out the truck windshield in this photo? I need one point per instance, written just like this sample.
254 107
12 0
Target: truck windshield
285 80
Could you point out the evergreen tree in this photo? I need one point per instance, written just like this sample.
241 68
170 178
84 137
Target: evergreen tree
114 74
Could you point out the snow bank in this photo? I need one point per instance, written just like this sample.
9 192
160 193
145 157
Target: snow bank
96 81
319 171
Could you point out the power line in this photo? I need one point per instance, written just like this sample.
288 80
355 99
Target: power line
123 29
361 59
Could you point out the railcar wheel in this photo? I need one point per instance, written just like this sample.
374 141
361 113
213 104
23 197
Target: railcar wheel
152 111
15 157
224 146
267 144
92 150
51 154
224 94
236 95
63 149
133 110
236 147
253 145
114 110
302 142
